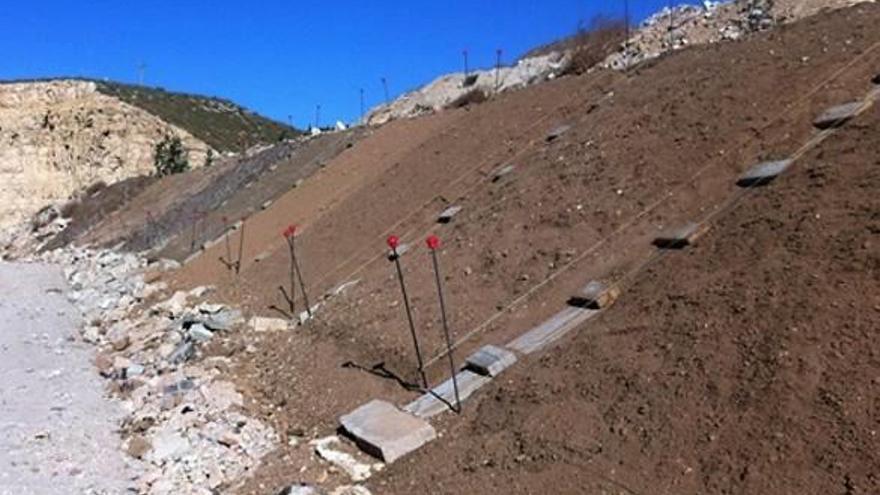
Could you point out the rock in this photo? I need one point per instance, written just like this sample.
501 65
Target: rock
182 353
168 446
138 446
301 489
104 364
351 490
199 333
329 449
119 342
224 320
263 324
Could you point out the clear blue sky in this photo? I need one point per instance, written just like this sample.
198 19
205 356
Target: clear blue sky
281 58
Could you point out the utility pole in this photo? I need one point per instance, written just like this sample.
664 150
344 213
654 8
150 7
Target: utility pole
497 68
466 68
385 88
362 104
318 117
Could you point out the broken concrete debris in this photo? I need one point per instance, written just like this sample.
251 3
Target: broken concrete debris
184 421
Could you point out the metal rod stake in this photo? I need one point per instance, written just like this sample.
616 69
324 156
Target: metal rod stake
446 329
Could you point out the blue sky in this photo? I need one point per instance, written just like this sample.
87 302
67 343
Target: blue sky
282 58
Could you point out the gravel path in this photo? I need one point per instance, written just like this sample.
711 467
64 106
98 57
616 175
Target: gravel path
57 430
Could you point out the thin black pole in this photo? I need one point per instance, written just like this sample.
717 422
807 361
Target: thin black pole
240 249
362 104
302 286
385 89
291 298
445 327
466 69
412 326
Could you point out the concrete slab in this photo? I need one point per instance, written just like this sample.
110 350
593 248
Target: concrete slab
557 133
551 330
763 173
501 172
384 431
838 115
401 250
447 214
490 360
681 237
442 396
595 295
876 79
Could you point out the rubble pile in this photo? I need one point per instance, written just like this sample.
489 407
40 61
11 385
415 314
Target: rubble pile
450 88
686 25
184 420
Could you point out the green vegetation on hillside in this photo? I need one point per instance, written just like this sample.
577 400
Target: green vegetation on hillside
220 123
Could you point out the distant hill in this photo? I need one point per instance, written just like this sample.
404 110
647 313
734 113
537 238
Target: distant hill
218 122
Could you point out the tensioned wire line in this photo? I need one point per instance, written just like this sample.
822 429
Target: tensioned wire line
737 197
475 170
653 206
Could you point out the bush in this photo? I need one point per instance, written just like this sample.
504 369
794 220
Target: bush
170 157
591 44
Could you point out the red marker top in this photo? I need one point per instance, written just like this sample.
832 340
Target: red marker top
290 231
393 241
433 242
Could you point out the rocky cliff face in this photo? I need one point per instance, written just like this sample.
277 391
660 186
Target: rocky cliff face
59 137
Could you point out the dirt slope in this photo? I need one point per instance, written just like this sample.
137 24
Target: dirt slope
749 364
650 149
176 215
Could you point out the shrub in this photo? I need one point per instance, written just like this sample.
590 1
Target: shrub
589 45
170 157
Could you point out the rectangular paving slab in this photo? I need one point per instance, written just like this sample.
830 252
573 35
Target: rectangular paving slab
384 431
551 330
595 295
763 173
447 214
442 397
838 115
557 133
501 172
490 360
681 237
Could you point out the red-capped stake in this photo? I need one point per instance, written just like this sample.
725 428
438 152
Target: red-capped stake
433 242
393 241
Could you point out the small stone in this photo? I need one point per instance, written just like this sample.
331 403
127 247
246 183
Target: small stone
138 446
263 324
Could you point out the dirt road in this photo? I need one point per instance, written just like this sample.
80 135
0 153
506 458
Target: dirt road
57 430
